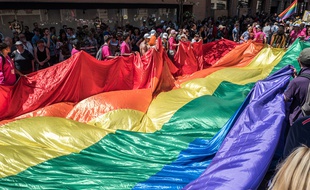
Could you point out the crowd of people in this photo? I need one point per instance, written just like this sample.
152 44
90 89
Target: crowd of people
39 48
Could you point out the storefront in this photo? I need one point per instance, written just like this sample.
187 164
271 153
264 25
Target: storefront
82 12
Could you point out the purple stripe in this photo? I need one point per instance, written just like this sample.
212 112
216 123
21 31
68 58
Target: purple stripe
244 157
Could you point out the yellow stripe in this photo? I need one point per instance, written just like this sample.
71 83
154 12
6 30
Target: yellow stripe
28 142
166 104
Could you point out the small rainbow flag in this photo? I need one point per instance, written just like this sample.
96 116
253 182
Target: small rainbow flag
289 11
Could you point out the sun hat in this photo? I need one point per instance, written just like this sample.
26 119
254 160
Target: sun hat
19 43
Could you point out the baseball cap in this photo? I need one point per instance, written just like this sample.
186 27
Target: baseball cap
19 43
295 24
173 32
257 26
304 57
146 35
165 35
153 32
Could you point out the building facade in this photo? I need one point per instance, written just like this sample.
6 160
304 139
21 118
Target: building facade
119 12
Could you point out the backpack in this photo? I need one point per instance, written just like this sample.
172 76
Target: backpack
305 108
99 53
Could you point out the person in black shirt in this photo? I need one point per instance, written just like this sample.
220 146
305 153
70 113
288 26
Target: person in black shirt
42 55
23 59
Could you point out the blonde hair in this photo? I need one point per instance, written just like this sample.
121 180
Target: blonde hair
294 172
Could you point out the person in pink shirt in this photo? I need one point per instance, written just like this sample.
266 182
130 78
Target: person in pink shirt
172 44
76 48
260 36
106 53
7 69
295 33
125 46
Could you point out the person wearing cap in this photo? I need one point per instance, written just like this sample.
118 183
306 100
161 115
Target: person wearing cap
153 38
297 89
183 38
295 33
23 59
144 44
260 36
165 40
172 44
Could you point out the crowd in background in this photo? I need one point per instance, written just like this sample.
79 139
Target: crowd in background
46 46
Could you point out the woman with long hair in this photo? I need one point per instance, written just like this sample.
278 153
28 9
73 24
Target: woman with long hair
294 172
278 39
62 46
7 70
126 46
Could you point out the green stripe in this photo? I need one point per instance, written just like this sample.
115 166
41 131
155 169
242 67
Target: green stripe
290 57
121 160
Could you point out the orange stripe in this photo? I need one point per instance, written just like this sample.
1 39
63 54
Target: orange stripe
240 56
100 104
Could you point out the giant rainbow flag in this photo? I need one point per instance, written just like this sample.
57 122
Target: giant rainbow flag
127 123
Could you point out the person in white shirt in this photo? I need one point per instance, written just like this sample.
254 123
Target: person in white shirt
267 31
